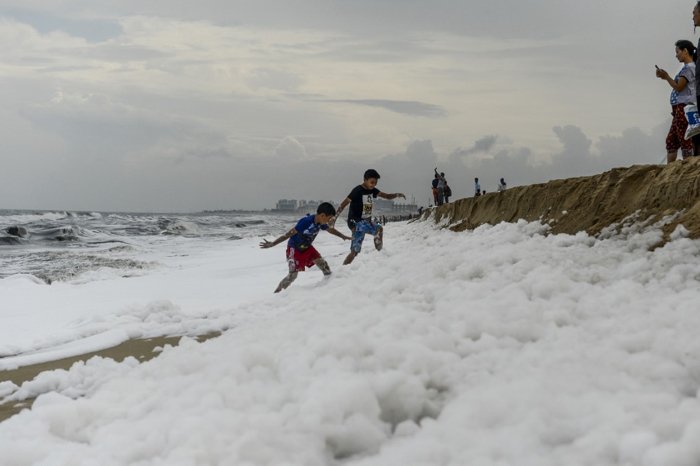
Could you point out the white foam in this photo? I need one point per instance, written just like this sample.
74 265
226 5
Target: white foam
492 347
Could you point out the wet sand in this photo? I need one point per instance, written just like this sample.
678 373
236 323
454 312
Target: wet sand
140 349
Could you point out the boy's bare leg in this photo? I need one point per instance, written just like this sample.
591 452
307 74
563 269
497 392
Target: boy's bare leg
671 157
323 265
378 238
286 281
350 258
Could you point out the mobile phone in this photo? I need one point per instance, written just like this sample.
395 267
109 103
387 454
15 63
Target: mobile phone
657 67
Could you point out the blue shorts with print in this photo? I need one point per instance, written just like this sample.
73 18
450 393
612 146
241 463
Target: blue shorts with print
362 227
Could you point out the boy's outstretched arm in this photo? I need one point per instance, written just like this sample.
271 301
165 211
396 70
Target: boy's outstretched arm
341 207
268 244
335 232
391 196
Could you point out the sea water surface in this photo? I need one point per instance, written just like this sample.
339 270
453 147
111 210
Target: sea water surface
61 246
73 282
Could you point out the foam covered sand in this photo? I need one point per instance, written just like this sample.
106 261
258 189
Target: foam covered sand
498 346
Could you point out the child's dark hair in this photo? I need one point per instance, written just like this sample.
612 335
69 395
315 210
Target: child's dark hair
326 208
372 173
687 45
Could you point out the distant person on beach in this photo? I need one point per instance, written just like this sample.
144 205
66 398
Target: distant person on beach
477 187
361 201
501 185
300 252
448 192
682 94
440 187
434 184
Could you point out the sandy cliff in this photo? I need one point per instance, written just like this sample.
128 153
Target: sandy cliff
591 203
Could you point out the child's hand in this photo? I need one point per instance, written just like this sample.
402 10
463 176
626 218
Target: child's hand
347 238
266 244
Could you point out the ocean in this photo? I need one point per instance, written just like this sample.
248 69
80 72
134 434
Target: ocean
64 245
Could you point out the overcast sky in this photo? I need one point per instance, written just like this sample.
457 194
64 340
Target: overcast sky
176 105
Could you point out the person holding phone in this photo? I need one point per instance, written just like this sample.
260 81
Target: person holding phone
683 93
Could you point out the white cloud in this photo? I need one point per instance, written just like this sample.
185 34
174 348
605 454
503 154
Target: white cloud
290 148
221 84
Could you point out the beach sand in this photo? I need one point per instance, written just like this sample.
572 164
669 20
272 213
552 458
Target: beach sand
140 349
590 203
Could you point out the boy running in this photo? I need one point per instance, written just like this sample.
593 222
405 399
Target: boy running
360 213
300 252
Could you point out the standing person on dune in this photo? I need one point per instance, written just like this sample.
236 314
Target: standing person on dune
434 189
441 184
683 94
361 201
696 23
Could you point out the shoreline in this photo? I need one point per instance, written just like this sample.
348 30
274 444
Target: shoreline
141 349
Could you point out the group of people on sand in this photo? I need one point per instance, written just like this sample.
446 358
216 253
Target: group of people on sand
300 251
502 186
685 89
442 192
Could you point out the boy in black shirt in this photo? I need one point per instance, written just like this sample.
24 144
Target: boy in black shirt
361 200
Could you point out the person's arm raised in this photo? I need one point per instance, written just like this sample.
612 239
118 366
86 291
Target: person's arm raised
341 207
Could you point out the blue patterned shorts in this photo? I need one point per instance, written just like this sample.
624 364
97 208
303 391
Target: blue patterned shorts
363 227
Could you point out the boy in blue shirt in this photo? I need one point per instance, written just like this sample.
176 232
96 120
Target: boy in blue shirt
300 252
361 200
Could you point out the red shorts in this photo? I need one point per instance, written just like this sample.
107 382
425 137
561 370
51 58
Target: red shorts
299 260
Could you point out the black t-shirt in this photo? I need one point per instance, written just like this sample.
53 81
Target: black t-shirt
361 202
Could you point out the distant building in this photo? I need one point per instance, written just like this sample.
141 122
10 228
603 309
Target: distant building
293 205
388 205
384 204
287 205
309 205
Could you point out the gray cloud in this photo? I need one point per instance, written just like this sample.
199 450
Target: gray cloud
93 30
398 106
579 156
274 79
482 145
290 147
